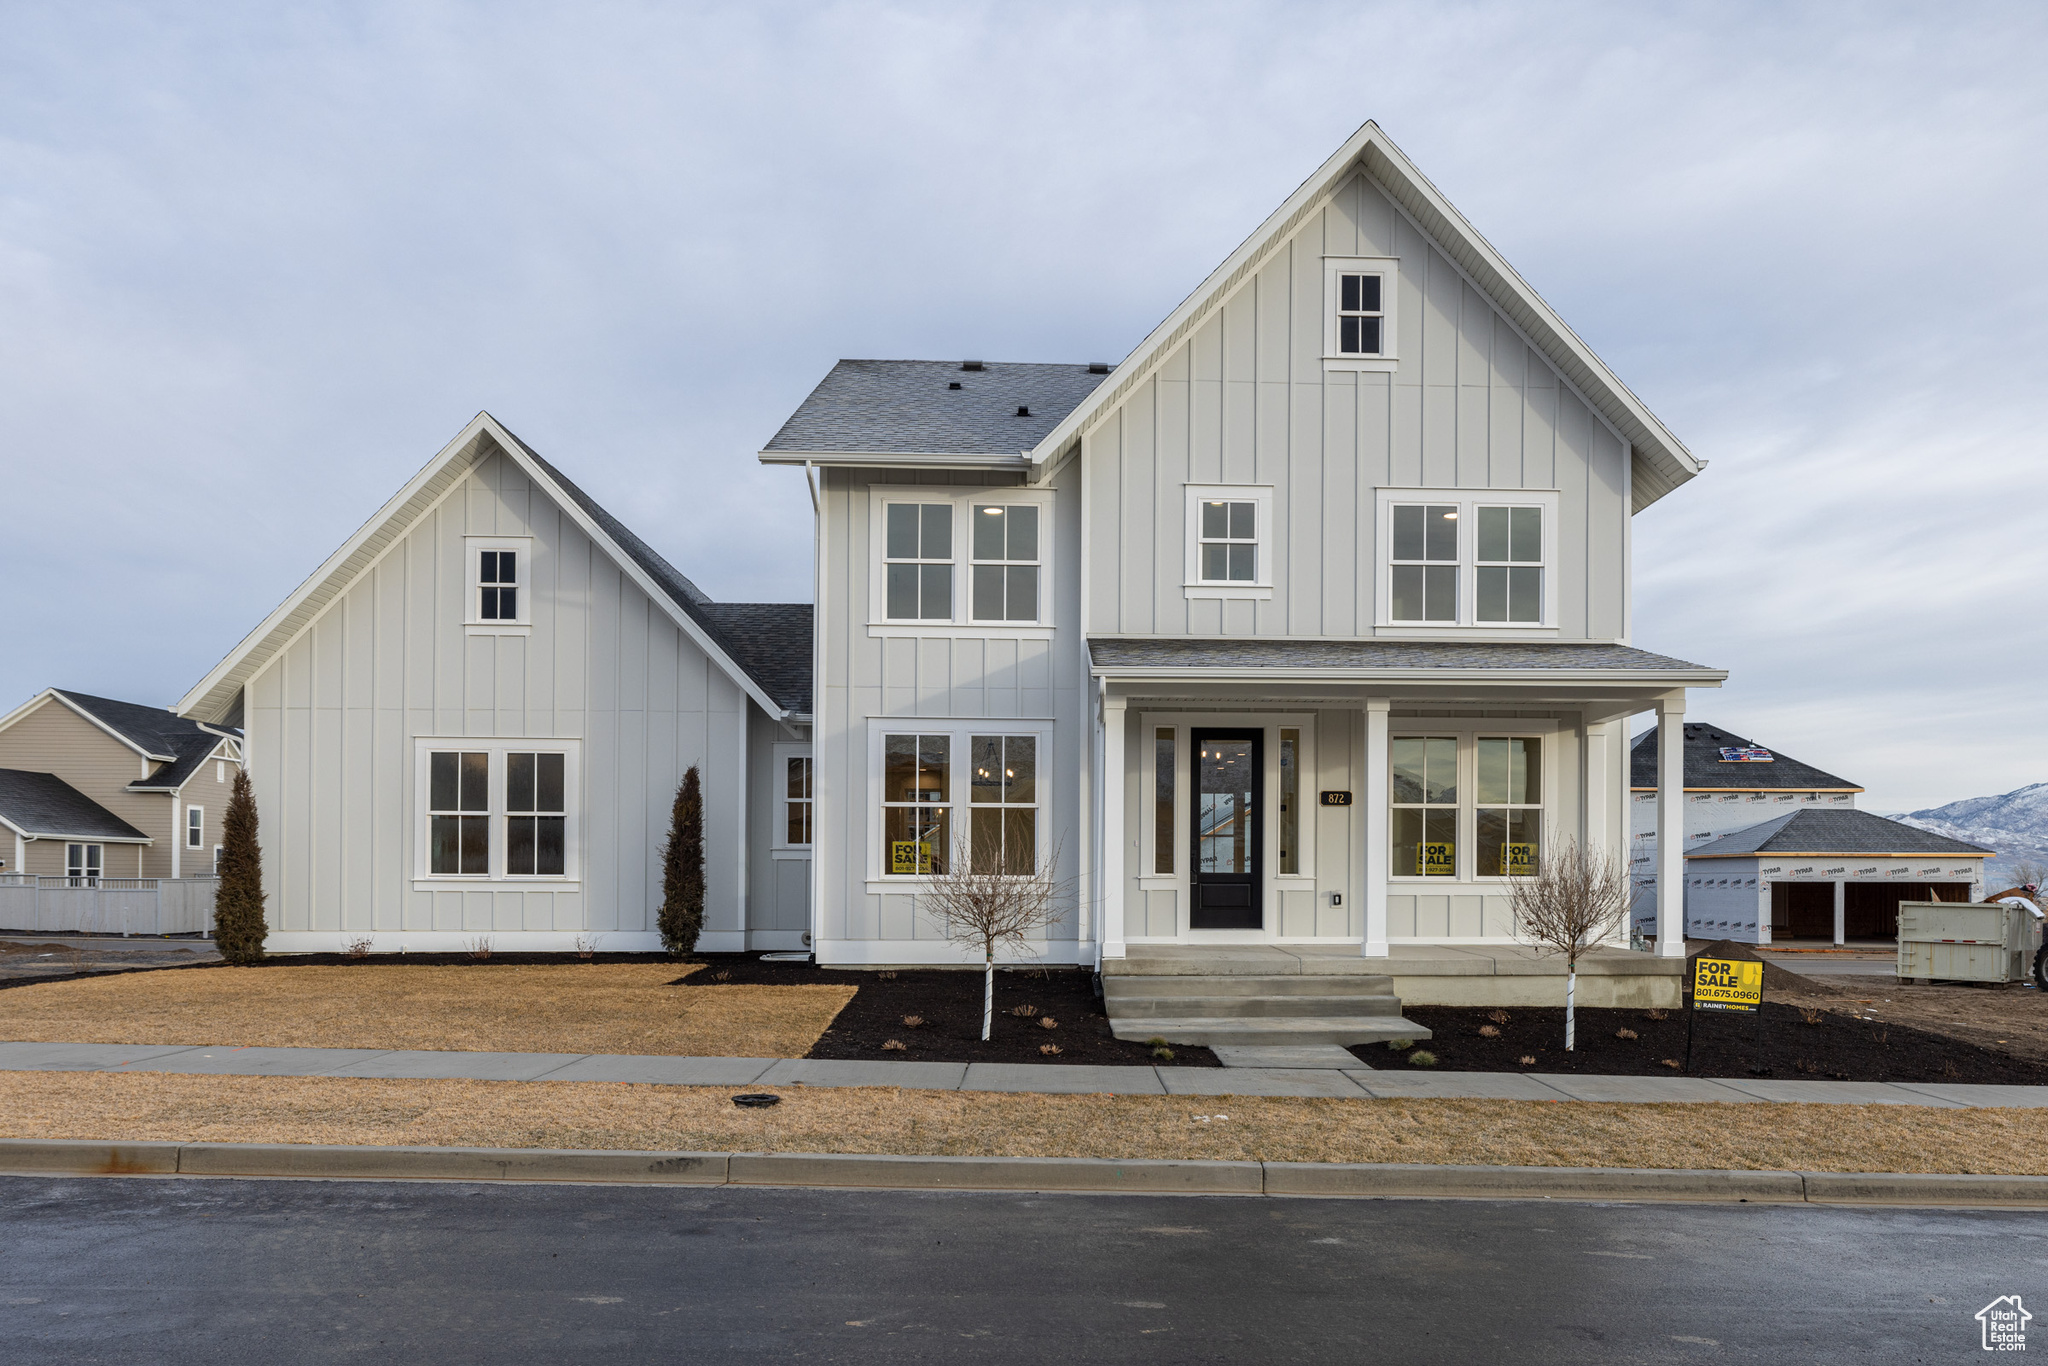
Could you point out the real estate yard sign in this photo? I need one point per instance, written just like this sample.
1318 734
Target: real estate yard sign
1727 984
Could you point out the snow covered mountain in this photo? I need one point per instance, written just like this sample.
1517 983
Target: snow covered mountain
2015 824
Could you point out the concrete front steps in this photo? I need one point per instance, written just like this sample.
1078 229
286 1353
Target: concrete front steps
1238 1004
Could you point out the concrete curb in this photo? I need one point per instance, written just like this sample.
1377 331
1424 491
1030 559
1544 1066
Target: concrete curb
1313 1180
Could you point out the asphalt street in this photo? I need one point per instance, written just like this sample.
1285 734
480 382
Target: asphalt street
183 1270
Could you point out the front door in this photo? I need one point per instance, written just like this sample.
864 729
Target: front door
1228 836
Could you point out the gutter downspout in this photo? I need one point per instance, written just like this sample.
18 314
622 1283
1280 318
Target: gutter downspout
818 827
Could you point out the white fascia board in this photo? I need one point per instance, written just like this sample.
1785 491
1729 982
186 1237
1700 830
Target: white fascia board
279 627
898 459
77 710
421 493
80 839
1663 679
1370 151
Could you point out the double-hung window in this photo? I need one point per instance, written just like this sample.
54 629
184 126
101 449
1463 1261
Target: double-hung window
195 827
917 803
1230 541
1003 802
501 810
499 583
1359 294
796 801
1509 792
1425 563
1005 568
1424 816
919 561
1468 559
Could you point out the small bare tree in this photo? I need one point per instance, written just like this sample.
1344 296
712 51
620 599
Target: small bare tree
1576 898
987 909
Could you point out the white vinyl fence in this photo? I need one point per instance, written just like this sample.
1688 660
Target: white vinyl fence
106 905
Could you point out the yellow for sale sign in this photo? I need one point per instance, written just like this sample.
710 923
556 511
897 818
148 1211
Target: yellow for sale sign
1727 984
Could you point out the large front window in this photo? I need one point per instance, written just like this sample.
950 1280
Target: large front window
916 803
1452 558
497 809
1465 807
969 792
1003 797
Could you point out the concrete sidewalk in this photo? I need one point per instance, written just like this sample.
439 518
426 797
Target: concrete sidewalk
1044 1078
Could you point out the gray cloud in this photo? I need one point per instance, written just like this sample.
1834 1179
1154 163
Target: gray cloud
257 265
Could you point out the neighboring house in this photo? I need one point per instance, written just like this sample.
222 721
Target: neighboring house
1731 783
1817 873
471 721
58 831
161 776
1307 623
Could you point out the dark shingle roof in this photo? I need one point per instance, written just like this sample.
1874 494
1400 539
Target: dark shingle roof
771 641
43 804
904 407
1704 767
774 655
1241 653
192 752
1838 831
154 730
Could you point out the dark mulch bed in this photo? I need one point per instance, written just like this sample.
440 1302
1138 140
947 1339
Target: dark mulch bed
1725 1044
948 1002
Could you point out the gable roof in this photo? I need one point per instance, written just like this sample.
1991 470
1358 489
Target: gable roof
1660 460
1842 830
156 733
931 408
481 438
44 806
194 751
1705 770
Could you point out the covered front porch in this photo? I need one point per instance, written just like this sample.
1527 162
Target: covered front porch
1361 807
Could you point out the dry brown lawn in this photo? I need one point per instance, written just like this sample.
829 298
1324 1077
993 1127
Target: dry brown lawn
140 1106
567 1008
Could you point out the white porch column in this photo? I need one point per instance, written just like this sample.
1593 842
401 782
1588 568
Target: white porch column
1841 911
1114 761
1671 827
1376 771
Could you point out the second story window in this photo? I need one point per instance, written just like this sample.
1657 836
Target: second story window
1004 547
919 555
1425 562
1509 578
1230 541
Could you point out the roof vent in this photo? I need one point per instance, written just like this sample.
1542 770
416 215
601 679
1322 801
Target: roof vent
1098 367
1023 411
953 384
972 365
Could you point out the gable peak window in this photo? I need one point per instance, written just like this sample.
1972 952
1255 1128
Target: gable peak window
1359 296
500 575
498 580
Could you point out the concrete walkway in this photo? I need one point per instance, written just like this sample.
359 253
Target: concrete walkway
1045 1078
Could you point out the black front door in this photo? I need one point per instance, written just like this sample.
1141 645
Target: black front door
1229 824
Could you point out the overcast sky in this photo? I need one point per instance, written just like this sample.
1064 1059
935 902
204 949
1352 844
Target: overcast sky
259 262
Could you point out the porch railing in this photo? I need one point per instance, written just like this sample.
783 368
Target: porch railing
106 905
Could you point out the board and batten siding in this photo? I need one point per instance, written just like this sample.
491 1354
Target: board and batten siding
945 674
1245 400
332 720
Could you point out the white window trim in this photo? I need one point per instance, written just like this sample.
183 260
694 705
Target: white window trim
84 862
779 846
1183 724
1467 502
1261 586
1468 735
472 571
881 625
571 876
960 733
1389 268
200 830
